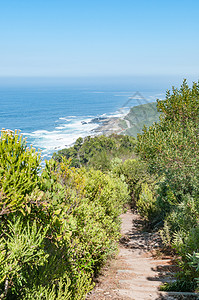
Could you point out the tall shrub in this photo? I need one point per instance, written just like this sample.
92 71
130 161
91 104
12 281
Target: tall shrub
19 168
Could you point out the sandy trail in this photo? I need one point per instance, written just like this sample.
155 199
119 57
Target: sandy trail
135 273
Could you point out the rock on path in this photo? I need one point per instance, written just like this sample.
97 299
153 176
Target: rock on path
135 274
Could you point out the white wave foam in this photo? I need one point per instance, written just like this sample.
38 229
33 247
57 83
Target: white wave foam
67 130
60 127
40 132
63 136
118 114
65 119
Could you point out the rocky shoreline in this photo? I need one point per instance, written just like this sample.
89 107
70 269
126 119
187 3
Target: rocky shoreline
109 126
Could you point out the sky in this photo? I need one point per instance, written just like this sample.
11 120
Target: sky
82 38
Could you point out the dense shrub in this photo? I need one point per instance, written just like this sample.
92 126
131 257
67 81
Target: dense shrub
98 151
135 175
171 150
19 168
59 229
171 146
146 203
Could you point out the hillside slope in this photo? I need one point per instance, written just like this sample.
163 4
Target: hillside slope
133 122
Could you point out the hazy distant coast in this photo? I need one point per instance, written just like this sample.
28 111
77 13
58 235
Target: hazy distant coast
130 123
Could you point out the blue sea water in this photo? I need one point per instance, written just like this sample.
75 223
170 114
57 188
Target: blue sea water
52 118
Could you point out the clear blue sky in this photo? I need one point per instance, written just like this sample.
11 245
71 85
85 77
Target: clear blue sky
99 38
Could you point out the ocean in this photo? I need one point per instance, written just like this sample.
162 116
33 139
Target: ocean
52 118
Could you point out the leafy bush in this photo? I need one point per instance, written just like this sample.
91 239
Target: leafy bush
146 203
19 168
171 150
61 229
22 249
184 216
97 151
179 285
135 174
171 146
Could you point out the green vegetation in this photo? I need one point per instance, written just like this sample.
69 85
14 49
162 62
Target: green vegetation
18 171
138 117
97 152
59 229
59 225
171 150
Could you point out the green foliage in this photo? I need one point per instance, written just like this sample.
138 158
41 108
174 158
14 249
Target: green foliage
179 285
135 174
138 117
22 250
59 227
60 290
171 146
166 200
194 263
62 229
166 234
146 203
185 243
171 150
185 215
110 191
19 168
45 293
97 151
181 105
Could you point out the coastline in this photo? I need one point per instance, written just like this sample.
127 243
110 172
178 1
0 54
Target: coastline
109 126
68 130
132 122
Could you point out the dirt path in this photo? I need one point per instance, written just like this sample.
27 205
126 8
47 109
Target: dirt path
128 123
135 273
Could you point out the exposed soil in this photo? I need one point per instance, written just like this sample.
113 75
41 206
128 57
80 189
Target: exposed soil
139 268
